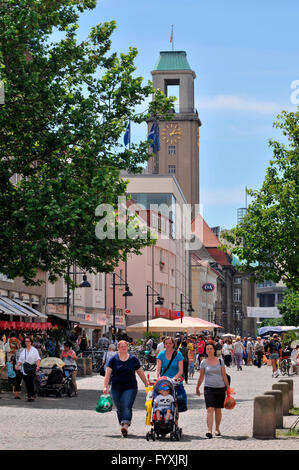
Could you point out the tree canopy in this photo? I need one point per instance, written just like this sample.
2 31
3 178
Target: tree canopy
66 107
266 240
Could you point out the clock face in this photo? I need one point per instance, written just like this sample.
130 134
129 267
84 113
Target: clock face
171 134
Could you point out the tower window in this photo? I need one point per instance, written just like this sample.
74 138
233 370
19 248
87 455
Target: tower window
171 150
171 169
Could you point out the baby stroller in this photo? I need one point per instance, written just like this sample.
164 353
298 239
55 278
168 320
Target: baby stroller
55 379
160 428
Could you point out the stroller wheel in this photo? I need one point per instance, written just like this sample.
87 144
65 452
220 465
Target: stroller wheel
147 436
178 435
181 432
172 436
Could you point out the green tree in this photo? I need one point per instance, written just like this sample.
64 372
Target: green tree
289 308
267 238
66 107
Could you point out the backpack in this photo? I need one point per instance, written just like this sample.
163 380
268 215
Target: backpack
154 344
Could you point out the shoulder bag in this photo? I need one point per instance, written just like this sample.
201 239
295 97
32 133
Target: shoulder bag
29 369
228 376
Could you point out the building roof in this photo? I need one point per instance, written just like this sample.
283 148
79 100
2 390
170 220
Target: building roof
172 60
204 233
221 257
210 241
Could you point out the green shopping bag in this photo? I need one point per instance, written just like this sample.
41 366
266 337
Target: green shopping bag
104 404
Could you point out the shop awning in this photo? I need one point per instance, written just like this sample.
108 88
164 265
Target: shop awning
30 309
74 319
9 309
16 307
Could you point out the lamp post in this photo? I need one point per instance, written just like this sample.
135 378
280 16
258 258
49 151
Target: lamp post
158 302
190 309
84 283
127 293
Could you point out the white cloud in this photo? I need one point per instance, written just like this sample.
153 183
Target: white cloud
239 103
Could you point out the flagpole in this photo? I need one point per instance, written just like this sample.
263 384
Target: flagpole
171 38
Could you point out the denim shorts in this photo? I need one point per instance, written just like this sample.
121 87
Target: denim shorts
274 356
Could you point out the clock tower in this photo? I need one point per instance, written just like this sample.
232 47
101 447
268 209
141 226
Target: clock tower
179 137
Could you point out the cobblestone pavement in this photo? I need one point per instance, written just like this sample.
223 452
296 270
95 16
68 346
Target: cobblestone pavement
72 423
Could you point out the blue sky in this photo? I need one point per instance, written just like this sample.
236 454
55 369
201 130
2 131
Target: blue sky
245 55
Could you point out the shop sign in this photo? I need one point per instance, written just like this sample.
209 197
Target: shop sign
208 287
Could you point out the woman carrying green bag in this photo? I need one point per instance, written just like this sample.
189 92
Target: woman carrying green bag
121 369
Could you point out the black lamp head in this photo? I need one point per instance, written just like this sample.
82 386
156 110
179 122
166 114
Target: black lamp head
159 301
85 282
127 293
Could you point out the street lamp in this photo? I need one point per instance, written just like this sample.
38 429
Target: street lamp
127 293
84 283
190 309
158 302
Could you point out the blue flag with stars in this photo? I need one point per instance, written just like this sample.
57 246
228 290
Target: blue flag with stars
154 136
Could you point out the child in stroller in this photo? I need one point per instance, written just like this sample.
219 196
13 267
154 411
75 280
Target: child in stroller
165 411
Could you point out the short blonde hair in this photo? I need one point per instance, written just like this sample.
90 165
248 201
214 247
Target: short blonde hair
122 342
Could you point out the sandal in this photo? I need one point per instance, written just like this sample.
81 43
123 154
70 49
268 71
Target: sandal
209 435
217 434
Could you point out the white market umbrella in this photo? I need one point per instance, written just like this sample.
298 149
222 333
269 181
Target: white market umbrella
193 324
228 335
154 325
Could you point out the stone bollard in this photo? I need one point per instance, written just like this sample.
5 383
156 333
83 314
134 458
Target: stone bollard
264 417
290 383
284 387
81 367
88 365
278 407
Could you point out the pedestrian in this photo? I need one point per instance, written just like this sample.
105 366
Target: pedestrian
227 353
259 351
103 342
212 371
83 342
29 362
11 376
160 346
219 347
170 364
200 349
51 346
107 355
21 338
122 369
245 350
14 344
250 351
274 351
238 350
184 351
191 357
70 359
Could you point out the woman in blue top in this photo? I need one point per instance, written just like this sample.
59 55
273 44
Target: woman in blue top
121 369
174 370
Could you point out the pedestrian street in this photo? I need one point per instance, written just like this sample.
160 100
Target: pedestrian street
52 423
